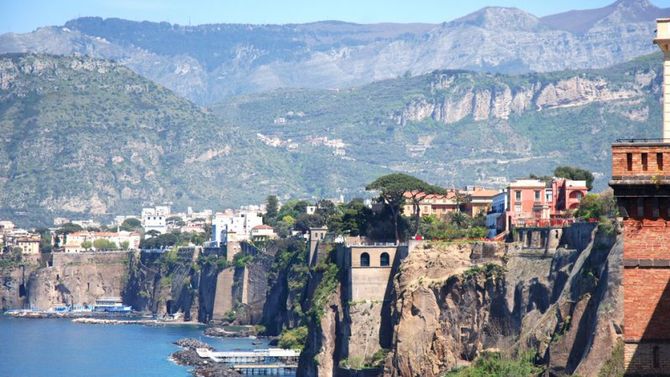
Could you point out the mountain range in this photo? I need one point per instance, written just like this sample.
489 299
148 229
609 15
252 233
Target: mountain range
208 63
84 136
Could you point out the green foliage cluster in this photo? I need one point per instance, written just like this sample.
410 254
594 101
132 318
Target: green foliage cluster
457 225
293 338
576 174
161 241
68 228
490 270
494 365
357 362
240 260
329 282
103 244
220 262
392 189
131 225
597 206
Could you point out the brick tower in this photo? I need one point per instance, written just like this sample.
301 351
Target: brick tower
641 183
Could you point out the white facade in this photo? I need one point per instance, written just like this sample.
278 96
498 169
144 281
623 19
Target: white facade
237 224
155 219
75 240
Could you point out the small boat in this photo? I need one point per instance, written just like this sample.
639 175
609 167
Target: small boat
61 309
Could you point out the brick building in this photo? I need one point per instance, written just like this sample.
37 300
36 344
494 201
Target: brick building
641 185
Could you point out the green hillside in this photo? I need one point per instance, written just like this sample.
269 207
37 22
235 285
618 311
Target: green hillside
458 127
84 136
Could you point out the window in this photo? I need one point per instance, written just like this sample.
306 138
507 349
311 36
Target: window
517 208
656 357
659 161
517 195
629 161
365 260
384 260
644 161
578 195
537 194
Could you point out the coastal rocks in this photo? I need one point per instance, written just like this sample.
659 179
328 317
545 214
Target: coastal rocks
193 344
221 332
203 367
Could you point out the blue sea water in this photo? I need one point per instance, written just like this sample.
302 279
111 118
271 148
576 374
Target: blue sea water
59 347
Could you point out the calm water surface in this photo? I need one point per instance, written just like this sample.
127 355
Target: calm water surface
58 347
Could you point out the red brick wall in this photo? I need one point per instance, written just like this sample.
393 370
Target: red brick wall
646 239
620 163
646 304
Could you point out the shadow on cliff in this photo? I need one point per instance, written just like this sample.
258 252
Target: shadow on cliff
652 354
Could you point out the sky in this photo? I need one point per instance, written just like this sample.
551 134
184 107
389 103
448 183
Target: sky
21 16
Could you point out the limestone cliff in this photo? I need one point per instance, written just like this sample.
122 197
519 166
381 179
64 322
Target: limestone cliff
563 305
78 279
458 95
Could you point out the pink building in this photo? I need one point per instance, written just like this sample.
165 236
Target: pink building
535 203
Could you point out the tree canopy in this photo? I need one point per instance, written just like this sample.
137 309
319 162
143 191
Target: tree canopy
392 189
131 224
576 174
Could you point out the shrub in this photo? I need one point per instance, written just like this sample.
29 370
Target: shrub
493 365
293 338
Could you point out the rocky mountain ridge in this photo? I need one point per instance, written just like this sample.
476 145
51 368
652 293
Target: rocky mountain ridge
460 127
207 63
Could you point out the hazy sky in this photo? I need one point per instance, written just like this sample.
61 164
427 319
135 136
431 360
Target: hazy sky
26 15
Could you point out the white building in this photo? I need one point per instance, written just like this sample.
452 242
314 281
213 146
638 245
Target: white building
73 241
235 225
155 219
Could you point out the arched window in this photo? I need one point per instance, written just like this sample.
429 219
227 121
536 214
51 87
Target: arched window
365 260
384 260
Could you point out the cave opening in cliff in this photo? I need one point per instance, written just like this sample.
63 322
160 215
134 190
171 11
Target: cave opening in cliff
22 290
168 306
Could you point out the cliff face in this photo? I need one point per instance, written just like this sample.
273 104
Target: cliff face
458 96
563 305
13 284
158 283
164 283
78 279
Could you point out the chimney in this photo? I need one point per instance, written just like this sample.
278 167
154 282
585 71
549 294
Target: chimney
663 41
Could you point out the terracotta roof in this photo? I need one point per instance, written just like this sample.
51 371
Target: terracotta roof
258 227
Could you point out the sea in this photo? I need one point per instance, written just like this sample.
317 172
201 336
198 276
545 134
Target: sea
60 347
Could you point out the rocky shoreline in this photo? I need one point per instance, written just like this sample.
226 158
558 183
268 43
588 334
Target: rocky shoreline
187 356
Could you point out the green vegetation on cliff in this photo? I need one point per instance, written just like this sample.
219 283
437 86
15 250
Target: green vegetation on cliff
494 365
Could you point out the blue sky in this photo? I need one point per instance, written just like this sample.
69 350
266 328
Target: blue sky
26 15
